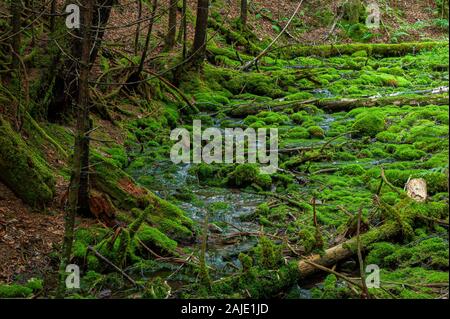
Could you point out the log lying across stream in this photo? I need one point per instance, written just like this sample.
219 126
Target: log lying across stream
347 249
339 105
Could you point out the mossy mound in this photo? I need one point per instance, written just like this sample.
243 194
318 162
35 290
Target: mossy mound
21 291
23 170
247 175
368 124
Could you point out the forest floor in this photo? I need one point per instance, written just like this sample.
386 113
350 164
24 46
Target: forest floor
408 141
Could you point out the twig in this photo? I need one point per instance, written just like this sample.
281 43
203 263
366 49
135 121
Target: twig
347 279
365 294
96 253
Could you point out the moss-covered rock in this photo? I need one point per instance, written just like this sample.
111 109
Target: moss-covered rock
368 124
316 132
247 174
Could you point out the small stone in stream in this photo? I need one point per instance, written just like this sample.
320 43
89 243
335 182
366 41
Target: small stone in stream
105 294
213 228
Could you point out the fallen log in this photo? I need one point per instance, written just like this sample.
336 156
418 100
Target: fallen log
346 104
244 110
339 105
374 49
347 249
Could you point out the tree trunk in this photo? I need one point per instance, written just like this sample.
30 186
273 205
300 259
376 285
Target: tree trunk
201 26
444 9
78 180
244 11
147 41
61 78
184 29
138 28
353 11
16 12
172 27
52 16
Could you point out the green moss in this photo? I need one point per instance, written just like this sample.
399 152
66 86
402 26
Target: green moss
210 101
352 169
22 170
332 289
298 133
243 175
298 96
247 174
368 124
155 239
15 291
316 132
375 49
408 153
21 291
118 155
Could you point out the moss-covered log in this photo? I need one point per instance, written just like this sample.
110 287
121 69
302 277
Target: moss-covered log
339 105
382 50
334 105
126 194
22 170
348 249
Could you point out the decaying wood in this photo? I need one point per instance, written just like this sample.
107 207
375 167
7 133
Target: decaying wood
339 105
349 104
347 249
416 189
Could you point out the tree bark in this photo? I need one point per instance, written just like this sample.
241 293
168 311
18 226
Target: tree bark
244 11
353 11
184 29
147 40
201 26
172 26
63 71
138 28
52 16
16 12
79 182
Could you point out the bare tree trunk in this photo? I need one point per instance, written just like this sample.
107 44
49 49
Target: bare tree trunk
16 12
184 29
52 16
201 26
172 27
244 11
81 150
63 71
138 28
147 40
353 11
444 9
